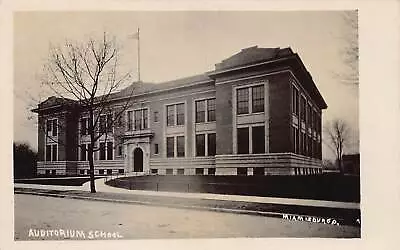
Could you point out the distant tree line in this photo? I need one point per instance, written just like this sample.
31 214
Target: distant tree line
25 160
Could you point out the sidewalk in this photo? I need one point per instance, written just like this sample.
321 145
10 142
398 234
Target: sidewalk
102 187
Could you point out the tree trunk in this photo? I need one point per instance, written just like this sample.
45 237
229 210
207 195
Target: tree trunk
91 170
90 153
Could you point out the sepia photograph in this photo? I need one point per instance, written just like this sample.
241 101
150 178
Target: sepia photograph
186 125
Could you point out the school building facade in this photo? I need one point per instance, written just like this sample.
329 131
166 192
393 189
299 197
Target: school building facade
258 113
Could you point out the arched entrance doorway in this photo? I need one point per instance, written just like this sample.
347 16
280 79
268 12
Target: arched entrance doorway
138 160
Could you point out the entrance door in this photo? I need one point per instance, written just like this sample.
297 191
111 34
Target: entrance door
137 160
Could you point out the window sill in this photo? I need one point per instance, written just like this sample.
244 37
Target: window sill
249 114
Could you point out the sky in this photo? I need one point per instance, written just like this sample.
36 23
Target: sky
179 44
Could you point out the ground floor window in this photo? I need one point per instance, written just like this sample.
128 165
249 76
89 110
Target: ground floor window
258 171
241 171
243 140
101 171
181 171
211 171
109 171
180 145
211 143
53 172
170 146
154 171
199 171
258 142
120 171
51 152
169 171
47 172
82 171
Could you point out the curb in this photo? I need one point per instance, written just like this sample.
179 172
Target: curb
201 208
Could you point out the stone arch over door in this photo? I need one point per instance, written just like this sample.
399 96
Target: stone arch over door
138 160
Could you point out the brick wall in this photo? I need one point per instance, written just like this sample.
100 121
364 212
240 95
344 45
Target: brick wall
224 119
279 110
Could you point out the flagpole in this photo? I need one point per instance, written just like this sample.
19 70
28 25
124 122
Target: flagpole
138 54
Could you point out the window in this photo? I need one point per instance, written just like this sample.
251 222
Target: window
145 121
170 115
156 149
176 114
154 170
120 150
180 114
109 123
53 172
51 126
54 152
48 152
241 171
170 146
109 150
82 171
83 152
156 116
138 120
308 117
200 111
295 100
84 126
120 171
130 118
303 108
109 171
169 171
180 141
47 172
55 127
258 99
141 121
102 151
295 140
211 144
211 171
211 106
101 171
243 101
199 171
181 171
258 139
102 122
88 171
200 145
258 171
243 140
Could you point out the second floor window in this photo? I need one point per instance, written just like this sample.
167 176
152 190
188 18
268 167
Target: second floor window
200 111
84 126
51 127
205 110
243 101
295 100
250 100
105 123
258 99
176 114
303 105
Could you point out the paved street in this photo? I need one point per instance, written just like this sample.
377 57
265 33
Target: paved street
94 219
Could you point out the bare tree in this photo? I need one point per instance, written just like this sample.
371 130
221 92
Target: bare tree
85 76
337 132
350 53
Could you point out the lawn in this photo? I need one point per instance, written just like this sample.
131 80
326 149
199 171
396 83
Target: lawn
333 187
59 180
